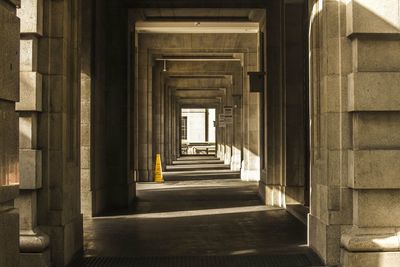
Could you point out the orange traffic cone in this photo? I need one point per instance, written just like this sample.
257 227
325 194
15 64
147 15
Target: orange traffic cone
158 177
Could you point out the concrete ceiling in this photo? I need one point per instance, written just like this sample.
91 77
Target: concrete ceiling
199 14
215 4
196 27
200 93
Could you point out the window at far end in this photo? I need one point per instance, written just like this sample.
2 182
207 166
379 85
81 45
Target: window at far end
184 128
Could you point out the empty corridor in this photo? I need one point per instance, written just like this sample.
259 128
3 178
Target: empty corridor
198 222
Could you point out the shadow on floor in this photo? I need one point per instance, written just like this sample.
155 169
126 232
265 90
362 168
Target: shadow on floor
295 260
203 222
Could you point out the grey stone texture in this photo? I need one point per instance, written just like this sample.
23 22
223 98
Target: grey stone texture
9 94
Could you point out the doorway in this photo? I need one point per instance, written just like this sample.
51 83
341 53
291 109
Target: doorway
197 131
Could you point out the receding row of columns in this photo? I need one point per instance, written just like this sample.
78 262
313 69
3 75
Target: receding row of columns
157 105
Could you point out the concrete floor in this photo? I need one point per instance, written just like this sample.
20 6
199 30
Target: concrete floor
196 218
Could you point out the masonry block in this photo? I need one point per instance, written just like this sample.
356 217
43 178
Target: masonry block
56 23
325 240
28 131
31 92
369 169
30 169
371 16
51 52
376 208
376 130
35 259
9 55
9 238
370 259
376 55
85 135
85 157
31 15
27 206
374 91
29 54
8 144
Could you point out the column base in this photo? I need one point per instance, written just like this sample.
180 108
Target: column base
367 247
144 176
249 175
370 259
66 241
9 232
41 259
271 194
33 241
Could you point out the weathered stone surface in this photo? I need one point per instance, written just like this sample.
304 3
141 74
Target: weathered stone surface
28 131
372 55
27 206
67 241
31 15
35 259
85 157
370 16
370 259
31 92
325 240
9 238
9 173
374 169
376 130
9 55
29 54
371 240
374 91
30 169
34 241
377 208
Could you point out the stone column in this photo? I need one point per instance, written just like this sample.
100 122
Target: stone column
86 100
236 82
9 94
273 172
372 28
220 134
251 121
33 242
295 104
144 97
228 132
332 201
158 113
175 127
167 124
237 133
58 206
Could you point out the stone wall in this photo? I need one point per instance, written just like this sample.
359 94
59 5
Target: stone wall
284 161
87 85
106 181
354 69
53 29
370 36
9 95
30 108
331 199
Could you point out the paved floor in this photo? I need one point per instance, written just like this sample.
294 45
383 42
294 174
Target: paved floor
196 218
292 260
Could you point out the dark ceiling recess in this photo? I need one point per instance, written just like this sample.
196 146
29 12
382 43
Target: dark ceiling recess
194 4
196 18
